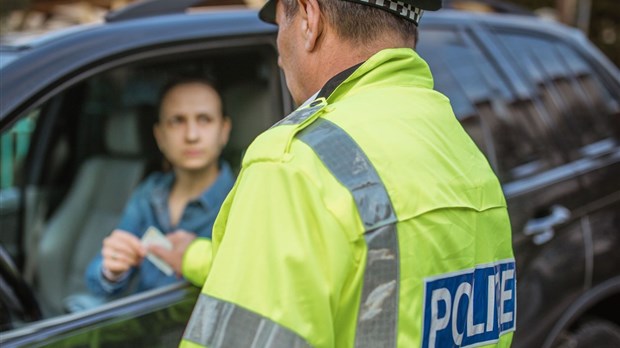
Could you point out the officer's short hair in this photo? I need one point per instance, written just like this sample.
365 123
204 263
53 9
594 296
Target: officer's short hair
359 23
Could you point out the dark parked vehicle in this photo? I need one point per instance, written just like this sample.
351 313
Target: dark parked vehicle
76 113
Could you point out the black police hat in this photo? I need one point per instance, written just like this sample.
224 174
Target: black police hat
410 9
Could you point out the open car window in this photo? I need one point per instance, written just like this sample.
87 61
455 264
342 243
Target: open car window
82 161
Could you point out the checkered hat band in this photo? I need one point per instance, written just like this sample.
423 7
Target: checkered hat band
399 8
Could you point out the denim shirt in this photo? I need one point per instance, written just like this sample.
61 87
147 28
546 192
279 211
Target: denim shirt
148 206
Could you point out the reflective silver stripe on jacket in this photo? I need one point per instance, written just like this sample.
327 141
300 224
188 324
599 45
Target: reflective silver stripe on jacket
216 323
377 321
349 164
300 115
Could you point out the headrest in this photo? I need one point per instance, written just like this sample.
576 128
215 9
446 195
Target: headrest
250 107
130 132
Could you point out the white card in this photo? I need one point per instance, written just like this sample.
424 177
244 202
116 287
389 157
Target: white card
153 236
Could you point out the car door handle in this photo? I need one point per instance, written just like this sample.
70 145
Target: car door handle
542 228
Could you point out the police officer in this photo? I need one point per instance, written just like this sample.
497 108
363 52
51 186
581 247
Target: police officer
367 217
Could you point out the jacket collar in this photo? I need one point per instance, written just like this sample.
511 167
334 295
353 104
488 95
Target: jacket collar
209 198
393 66
335 81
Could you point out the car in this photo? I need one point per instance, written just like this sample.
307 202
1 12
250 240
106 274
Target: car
541 102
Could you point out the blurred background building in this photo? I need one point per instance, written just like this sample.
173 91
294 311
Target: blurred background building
599 19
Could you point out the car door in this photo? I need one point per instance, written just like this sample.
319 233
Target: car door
77 91
156 318
504 108
580 99
583 95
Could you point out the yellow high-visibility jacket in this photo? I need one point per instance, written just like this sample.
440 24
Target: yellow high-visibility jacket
367 218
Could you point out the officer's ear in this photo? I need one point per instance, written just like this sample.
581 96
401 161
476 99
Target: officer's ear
311 22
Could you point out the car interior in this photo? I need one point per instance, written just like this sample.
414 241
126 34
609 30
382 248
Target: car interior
91 145
91 207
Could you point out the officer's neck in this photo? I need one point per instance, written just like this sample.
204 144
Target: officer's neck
333 55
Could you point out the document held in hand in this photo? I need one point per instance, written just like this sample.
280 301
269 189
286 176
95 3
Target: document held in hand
153 236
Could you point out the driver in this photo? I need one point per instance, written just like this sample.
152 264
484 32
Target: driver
179 206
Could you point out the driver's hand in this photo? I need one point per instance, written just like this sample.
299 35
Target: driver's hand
180 240
121 251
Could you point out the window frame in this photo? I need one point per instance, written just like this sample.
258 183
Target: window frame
157 299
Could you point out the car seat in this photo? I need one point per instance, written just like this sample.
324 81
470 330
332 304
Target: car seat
92 207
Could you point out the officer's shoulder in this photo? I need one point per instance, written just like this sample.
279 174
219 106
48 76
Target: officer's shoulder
270 146
275 143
